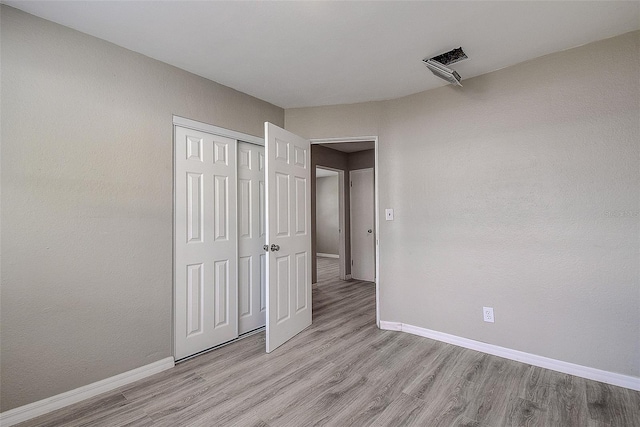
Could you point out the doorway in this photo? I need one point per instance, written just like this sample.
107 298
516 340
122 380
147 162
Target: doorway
345 155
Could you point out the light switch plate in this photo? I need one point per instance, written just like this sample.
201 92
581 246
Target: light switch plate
388 214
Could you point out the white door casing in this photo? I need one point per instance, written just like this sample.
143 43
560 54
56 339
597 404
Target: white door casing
252 301
205 239
288 219
362 217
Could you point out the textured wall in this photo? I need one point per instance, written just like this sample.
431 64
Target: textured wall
353 120
327 218
87 202
520 192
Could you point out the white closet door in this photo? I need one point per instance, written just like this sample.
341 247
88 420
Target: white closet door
252 301
205 241
288 235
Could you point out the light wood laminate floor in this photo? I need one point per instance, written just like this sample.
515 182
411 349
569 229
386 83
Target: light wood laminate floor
343 371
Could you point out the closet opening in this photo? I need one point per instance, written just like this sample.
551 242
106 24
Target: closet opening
241 238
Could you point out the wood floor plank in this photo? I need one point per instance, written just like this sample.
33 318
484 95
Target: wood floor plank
244 397
404 411
534 387
344 371
436 375
88 408
567 401
322 409
369 405
522 412
449 406
182 414
167 387
295 401
499 382
467 422
609 404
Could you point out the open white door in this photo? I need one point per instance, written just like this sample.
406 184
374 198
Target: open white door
288 180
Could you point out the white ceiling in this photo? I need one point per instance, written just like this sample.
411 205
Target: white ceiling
296 54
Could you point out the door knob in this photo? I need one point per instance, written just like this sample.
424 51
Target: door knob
275 248
369 231
265 247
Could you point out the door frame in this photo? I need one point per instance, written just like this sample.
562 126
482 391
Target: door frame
342 243
376 184
215 130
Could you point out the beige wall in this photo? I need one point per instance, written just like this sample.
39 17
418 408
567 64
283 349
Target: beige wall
519 192
87 202
353 120
362 160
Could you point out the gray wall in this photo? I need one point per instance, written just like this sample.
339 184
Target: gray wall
520 192
327 215
362 160
87 202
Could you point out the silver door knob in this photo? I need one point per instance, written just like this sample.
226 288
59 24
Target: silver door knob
265 247
275 248
369 231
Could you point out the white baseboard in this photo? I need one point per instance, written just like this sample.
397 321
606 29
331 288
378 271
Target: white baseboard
390 326
323 255
612 378
44 406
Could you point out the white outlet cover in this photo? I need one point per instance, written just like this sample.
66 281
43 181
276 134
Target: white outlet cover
487 314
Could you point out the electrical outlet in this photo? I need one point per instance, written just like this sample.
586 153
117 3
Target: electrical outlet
487 313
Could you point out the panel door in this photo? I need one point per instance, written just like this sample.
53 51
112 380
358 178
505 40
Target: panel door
363 249
288 220
205 241
252 301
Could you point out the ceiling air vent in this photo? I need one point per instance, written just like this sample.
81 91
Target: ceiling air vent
439 65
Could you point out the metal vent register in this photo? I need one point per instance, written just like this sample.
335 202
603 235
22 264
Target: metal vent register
439 65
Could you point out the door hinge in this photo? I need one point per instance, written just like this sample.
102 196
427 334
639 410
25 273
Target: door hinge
351 262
